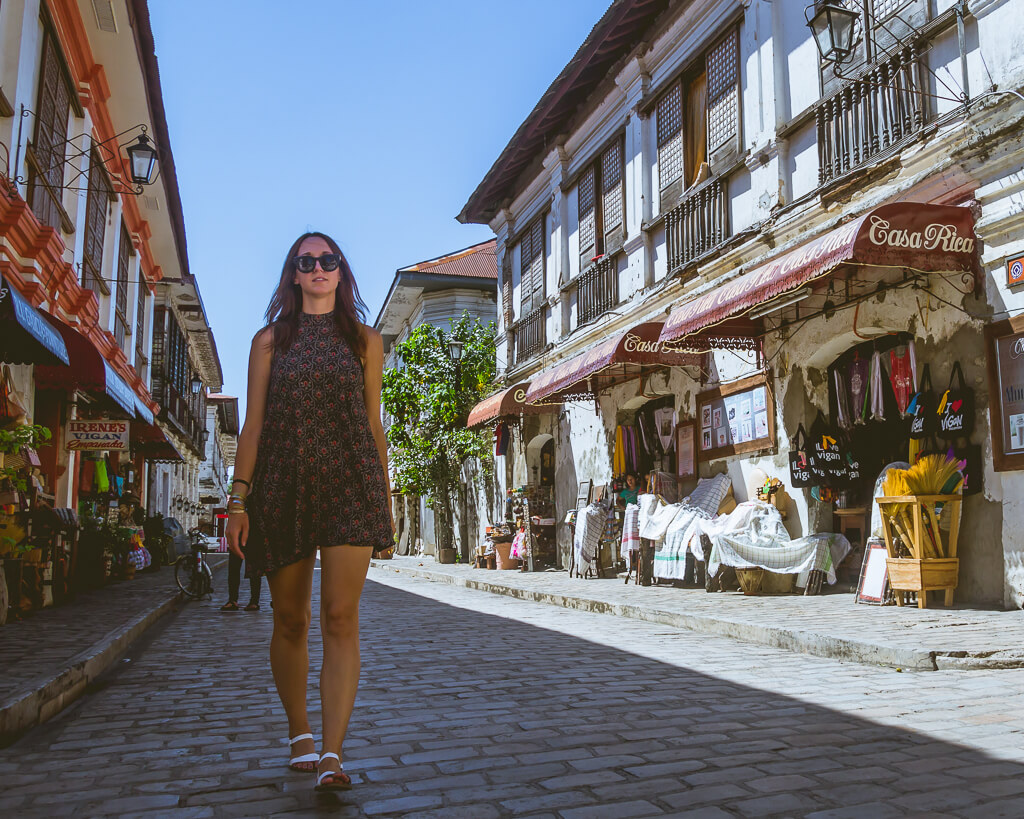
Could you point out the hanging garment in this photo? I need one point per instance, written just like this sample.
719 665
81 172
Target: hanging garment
665 427
643 439
877 388
630 532
619 456
589 527
903 375
501 436
858 378
842 402
85 477
101 483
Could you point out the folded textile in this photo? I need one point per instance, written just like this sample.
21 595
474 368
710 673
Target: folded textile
589 528
630 531
710 493
655 516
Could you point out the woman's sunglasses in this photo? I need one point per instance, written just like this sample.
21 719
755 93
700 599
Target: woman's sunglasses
307 264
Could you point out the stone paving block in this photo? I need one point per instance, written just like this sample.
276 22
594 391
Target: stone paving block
787 804
998 809
403 804
617 810
562 799
649 788
526 773
604 763
778 784
579 780
934 798
704 813
456 812
724 794
403 773
876 810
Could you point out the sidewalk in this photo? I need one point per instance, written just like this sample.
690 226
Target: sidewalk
50 657
829 625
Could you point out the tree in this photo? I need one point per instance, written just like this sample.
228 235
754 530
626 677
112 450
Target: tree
429 398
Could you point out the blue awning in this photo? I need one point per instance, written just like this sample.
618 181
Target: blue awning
142 411
25 336
118 389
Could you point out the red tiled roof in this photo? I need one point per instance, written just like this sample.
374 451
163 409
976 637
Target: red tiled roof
478 262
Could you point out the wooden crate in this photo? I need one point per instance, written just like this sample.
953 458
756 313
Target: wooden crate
923 572
758 581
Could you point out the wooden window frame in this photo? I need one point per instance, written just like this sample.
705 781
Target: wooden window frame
122 327
726 152
527 295
603 243
46 154
140 326
98 197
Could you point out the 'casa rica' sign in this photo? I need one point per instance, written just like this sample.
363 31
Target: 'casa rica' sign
101 434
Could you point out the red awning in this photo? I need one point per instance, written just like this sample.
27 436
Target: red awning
153 443
905 235
89 370
505 404
620 358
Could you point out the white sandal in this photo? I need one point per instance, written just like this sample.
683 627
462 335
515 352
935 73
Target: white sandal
343 783
306 759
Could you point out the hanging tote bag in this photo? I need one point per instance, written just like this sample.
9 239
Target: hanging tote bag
12 405
922 407
824 456
956 407
799 464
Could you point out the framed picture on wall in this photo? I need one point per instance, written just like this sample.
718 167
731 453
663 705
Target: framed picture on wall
742 415
686 449
583 493
1004 352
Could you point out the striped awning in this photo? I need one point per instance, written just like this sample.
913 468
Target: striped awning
505 404
622 357
903 236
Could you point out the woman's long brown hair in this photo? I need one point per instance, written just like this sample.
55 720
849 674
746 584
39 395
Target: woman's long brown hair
286 304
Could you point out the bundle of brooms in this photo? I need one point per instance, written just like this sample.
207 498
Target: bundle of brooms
931 475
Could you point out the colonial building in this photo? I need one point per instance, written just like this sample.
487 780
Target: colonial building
221 442
108 324
701 181
437 292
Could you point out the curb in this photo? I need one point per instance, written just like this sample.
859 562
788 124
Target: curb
806 642
45 697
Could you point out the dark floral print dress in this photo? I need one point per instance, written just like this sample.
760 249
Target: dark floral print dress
318 480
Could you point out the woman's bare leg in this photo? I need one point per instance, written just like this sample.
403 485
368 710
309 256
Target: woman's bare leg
290 590
341 584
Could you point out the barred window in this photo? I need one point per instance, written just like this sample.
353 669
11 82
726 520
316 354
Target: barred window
49 143
96 204
140 327
124 248
697 115
601 194
612 195
723 91
588 216
669 114
531 267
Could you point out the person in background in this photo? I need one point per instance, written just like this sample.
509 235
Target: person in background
234 581
631 491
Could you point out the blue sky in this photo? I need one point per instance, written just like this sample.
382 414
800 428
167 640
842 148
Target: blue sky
372 122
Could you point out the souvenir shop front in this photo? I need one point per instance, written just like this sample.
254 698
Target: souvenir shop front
616 432
104 435
869 353
520 533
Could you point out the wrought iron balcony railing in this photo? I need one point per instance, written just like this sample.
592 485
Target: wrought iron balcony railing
870 114
698 224
529 335
597 290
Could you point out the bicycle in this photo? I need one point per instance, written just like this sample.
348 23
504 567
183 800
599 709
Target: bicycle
191 571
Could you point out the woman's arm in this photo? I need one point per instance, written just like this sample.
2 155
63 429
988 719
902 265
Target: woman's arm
373 382
260 356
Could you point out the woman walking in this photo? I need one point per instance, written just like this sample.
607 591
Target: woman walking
312 467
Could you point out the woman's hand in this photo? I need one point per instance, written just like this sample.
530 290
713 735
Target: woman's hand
237 533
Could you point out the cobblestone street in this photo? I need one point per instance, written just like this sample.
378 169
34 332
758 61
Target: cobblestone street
480 705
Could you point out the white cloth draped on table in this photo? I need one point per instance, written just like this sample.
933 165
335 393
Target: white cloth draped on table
655 516
754 535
